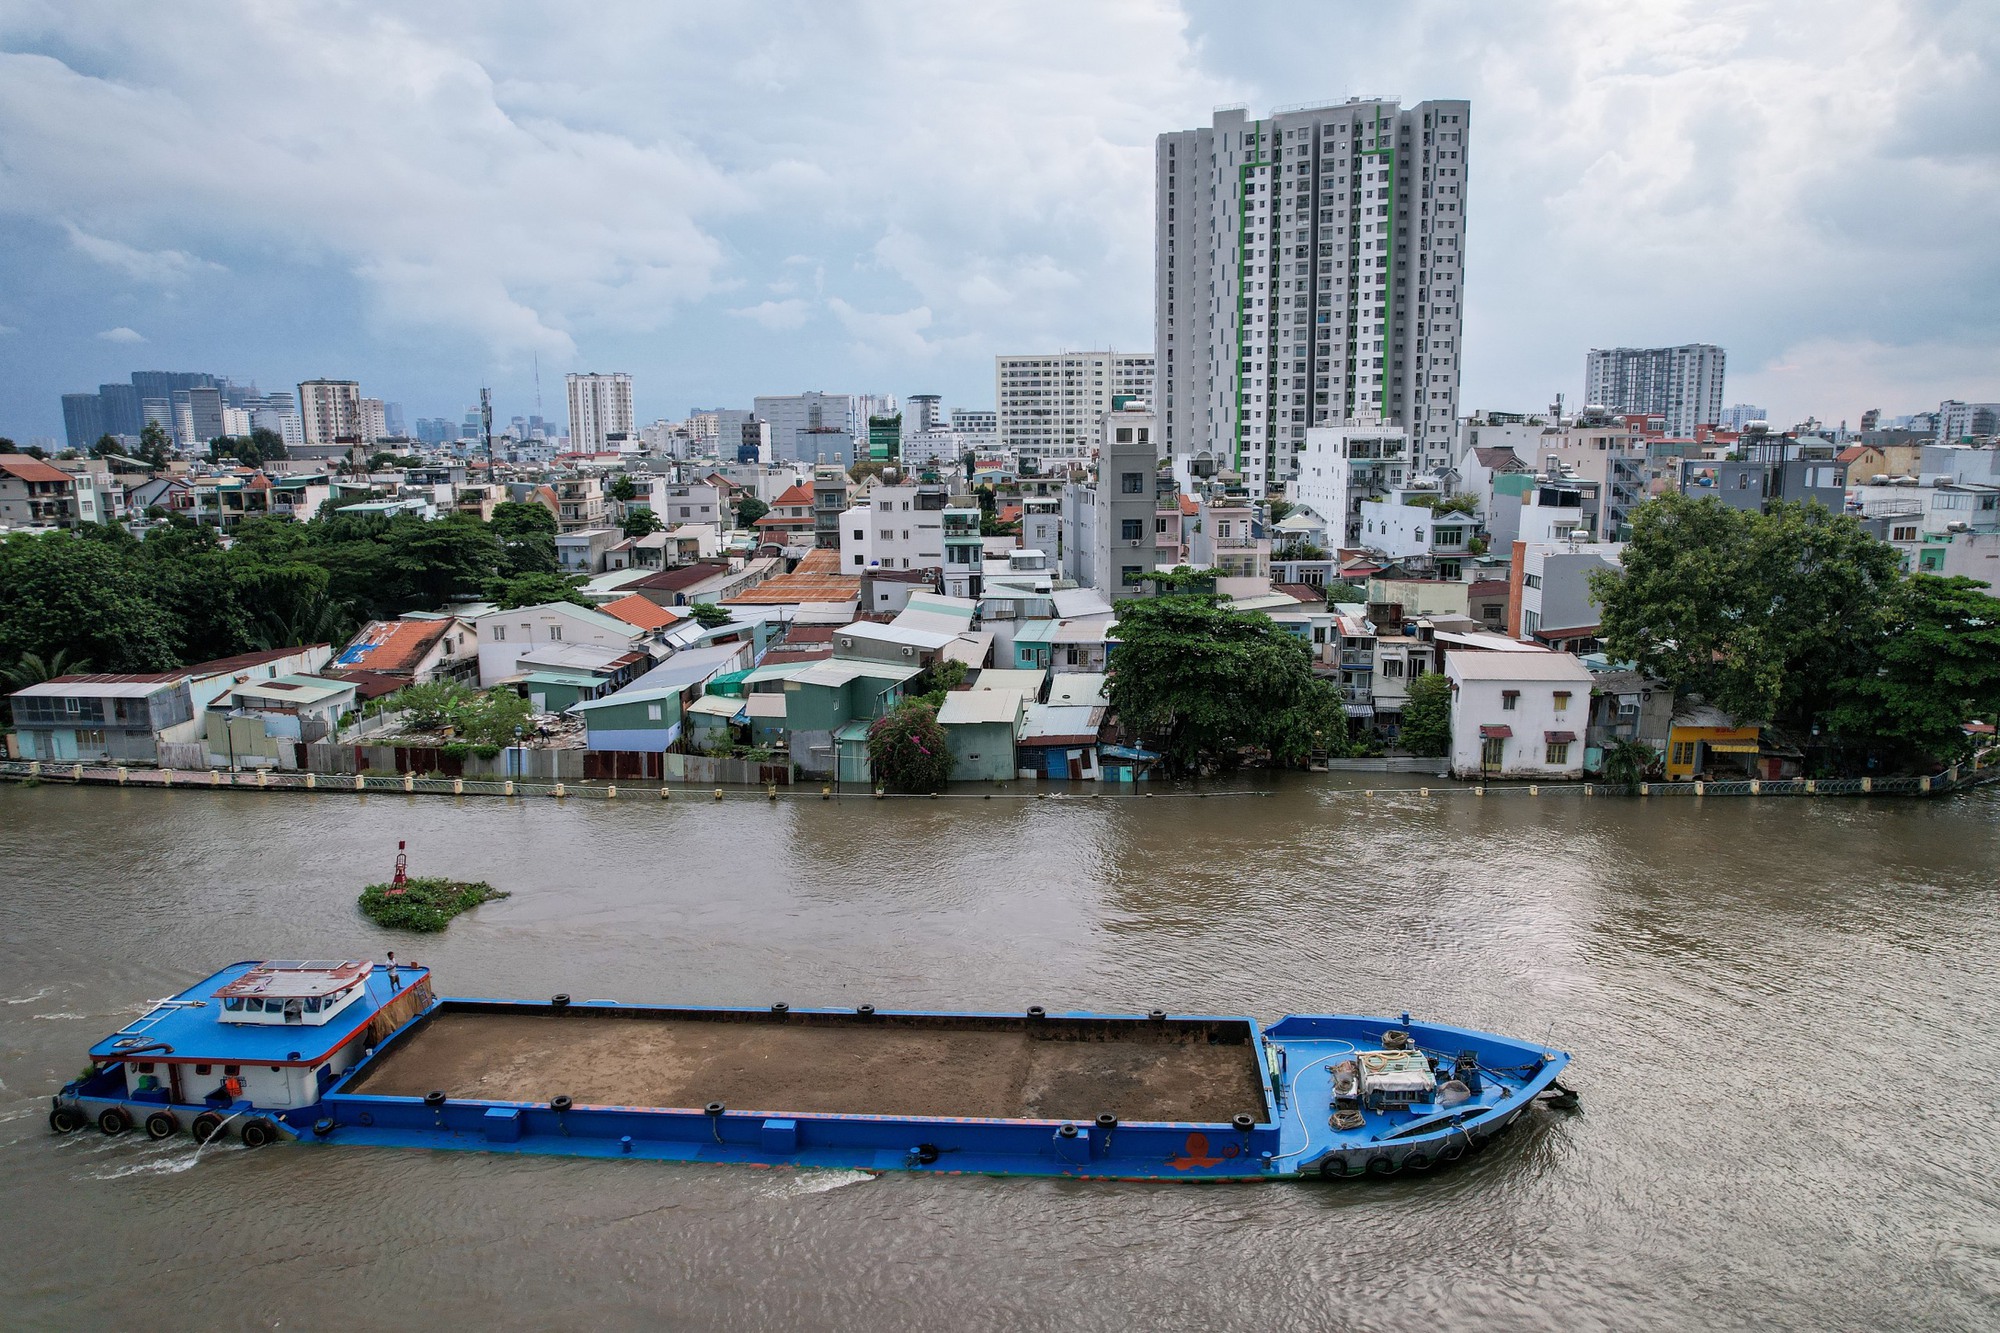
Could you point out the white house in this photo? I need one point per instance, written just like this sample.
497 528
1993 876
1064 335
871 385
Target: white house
894 527
1341 466
1517 715
506 636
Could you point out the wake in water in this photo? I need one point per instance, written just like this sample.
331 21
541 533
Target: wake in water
814 1180
43 993
167 1159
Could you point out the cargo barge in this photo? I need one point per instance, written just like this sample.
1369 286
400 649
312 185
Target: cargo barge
361 1053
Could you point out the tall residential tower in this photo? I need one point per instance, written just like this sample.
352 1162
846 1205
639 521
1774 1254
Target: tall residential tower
600 406
1682 384
1309 270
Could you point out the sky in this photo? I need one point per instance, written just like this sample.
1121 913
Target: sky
880 196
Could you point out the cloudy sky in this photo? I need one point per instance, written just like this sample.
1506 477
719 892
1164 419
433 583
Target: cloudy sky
879 196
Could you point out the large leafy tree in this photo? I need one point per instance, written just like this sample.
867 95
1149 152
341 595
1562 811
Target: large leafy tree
85 599
640 521
1426 726
749 509
1199 681
1935 668
1757 613
533 590
527 536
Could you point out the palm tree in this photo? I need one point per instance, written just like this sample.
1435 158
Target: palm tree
33 668
1627 763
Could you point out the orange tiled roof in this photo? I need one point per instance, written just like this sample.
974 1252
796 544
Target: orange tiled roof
640 612
801 494
29 468
392 645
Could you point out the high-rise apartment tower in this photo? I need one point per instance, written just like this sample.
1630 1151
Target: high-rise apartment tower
1682 384
1309 270
600 406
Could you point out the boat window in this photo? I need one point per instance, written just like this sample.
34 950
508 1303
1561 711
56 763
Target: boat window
231 1071
201 1069
312 1004
144 1066
234 1004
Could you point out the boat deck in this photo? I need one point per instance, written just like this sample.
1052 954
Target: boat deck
829 1064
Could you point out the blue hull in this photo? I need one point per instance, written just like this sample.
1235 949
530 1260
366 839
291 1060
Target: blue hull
1293 1137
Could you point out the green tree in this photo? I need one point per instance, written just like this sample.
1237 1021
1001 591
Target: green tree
1629 762
33 669
106 446
155 445
1426 727
84 599
621 489
749 509
1760 614
527 537
640 521
431 706
1199 681
1281 510
709 616
493 718
533 590
907 749
1935 668
1299 551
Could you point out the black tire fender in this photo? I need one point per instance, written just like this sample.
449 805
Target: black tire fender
162 1125
256 1133
207 1125
113 1121
66 1120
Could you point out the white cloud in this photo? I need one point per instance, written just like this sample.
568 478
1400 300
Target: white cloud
121 334
163 267
776 315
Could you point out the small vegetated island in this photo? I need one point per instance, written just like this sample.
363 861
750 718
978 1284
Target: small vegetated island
425 903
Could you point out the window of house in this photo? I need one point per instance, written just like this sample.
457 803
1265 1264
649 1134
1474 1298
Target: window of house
1508 699
1683 752
1907 534
652 712
1558 753
1392 666
1132 528
1562 700
555 633
857 558
1132 483
499 634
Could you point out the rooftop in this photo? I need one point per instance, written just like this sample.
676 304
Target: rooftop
973 707
642 612
392 645
1539 665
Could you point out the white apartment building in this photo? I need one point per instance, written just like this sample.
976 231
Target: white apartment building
1308 272
1401 527
894 527
1682 385
600 406
331 411
1049 406
1339 467
374 420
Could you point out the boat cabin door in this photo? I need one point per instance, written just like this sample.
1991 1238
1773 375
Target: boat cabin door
295 1010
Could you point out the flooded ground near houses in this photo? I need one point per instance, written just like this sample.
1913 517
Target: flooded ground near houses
1784 1015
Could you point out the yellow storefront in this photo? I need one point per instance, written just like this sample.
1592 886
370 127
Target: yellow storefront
1712 752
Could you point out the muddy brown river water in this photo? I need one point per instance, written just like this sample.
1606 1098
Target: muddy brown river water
1785 1016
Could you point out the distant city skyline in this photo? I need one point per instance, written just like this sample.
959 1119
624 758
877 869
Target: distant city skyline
969 189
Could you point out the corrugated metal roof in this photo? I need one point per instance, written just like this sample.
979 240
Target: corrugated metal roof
973 707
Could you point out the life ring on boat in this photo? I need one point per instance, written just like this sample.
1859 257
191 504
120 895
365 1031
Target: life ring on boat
434 1099
206 1126
162 1125
256 1133
65 1120
113 1121
1382 1165
560 1102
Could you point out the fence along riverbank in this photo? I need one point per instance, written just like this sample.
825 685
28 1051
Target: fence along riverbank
1979 771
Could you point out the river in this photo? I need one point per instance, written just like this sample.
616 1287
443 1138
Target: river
1783 1014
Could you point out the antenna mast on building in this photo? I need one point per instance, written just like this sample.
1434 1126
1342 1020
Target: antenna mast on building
538 383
